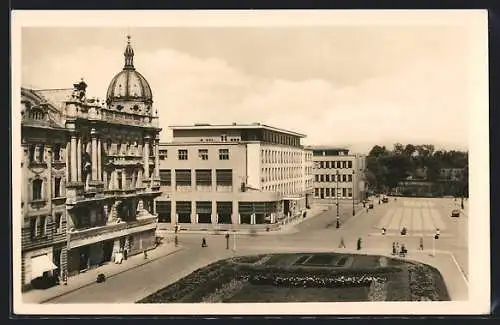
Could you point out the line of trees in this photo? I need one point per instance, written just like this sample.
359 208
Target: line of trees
386 168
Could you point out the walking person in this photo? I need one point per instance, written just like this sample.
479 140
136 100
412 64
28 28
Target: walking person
342 244
176 241
203 242
421 245
359 244
394 248
227 240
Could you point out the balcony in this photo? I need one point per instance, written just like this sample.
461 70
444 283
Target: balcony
89 236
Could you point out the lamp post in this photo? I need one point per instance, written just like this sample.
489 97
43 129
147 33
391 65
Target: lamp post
353 210
337 193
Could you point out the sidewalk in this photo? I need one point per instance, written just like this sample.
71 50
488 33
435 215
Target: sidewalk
88 278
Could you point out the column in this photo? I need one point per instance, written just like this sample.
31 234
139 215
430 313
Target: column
146 157
66 160
93 134
78 162
214 180
214 212
193 212
74 174
157 158
99 166
139 178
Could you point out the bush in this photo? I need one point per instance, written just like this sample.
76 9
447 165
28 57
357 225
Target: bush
100 278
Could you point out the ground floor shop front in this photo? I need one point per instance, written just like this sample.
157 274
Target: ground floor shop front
41 268
83 258
230 212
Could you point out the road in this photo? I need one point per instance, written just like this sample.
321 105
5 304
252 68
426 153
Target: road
316 232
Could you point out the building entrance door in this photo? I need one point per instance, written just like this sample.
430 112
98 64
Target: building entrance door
107 251
84 258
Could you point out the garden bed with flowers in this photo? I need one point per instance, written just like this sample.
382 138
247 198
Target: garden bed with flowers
290 277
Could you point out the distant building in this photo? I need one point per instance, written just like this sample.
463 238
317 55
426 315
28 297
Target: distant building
336 170
89 175
233 174
451 174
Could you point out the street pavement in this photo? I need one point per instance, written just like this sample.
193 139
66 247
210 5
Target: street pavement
314 233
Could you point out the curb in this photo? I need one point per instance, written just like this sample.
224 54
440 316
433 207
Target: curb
111 276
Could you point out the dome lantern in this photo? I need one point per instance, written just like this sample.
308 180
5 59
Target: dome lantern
129 89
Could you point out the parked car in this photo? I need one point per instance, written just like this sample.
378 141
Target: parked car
370 205
385 199
455 213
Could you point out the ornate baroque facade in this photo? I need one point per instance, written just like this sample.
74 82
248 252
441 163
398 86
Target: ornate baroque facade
90 174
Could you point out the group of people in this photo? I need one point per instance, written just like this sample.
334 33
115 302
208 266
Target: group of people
399 249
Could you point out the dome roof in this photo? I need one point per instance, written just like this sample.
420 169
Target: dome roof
128 84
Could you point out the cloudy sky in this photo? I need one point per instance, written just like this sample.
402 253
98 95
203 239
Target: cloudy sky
341 85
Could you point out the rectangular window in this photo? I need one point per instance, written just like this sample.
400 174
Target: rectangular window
327 192
37 189
31 153
33 226
163 154
349 192
322 164
321 178
41 151
223 154
344 194
338 164
43 225
57 187
57 152
182 154
224 177
183 177
327 178
349 164
316 192
203 177
203 154
58 223
344 164
316 178
165 177
349 178
344 178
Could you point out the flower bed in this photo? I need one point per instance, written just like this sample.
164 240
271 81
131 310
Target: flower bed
247 259
314 281
424 286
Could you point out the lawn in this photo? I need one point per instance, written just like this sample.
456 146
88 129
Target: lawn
306 277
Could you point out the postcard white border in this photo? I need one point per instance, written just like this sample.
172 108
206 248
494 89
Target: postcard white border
479 247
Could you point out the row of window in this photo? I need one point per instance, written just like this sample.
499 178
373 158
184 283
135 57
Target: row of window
39 225
323 193
275 174
332 178
36 153
280 157
223 177
37 188
182 154
333 164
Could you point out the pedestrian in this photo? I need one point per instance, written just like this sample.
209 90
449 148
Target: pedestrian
421 246
145 254
342 244
397 247
203 242
337 224
227 240
359 244
393 248
383 231
176 241
403 250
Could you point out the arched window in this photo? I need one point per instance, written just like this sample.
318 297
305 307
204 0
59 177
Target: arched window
37 189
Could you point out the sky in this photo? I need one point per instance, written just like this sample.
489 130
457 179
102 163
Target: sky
353 86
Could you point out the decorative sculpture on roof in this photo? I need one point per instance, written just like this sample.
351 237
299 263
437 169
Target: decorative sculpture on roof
79 90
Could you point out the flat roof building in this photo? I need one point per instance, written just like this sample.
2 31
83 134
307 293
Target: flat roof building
336 170
233 174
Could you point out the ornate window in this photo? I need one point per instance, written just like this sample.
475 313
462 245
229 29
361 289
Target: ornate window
37 189
57 152
182 154
223 154
57 187
203 154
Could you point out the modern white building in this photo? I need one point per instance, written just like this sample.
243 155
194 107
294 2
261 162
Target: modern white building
233 174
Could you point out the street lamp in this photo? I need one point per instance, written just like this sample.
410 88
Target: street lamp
337 193
353 210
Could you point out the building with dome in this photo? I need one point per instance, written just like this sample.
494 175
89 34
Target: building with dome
90 173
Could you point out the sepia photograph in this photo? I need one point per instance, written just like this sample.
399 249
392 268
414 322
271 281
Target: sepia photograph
250 162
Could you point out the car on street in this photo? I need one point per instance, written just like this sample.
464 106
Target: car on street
370 205
385 199
455 213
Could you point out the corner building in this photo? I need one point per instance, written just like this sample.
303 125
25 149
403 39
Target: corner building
101 159
233 174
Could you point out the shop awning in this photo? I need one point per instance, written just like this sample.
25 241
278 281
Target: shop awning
41 264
